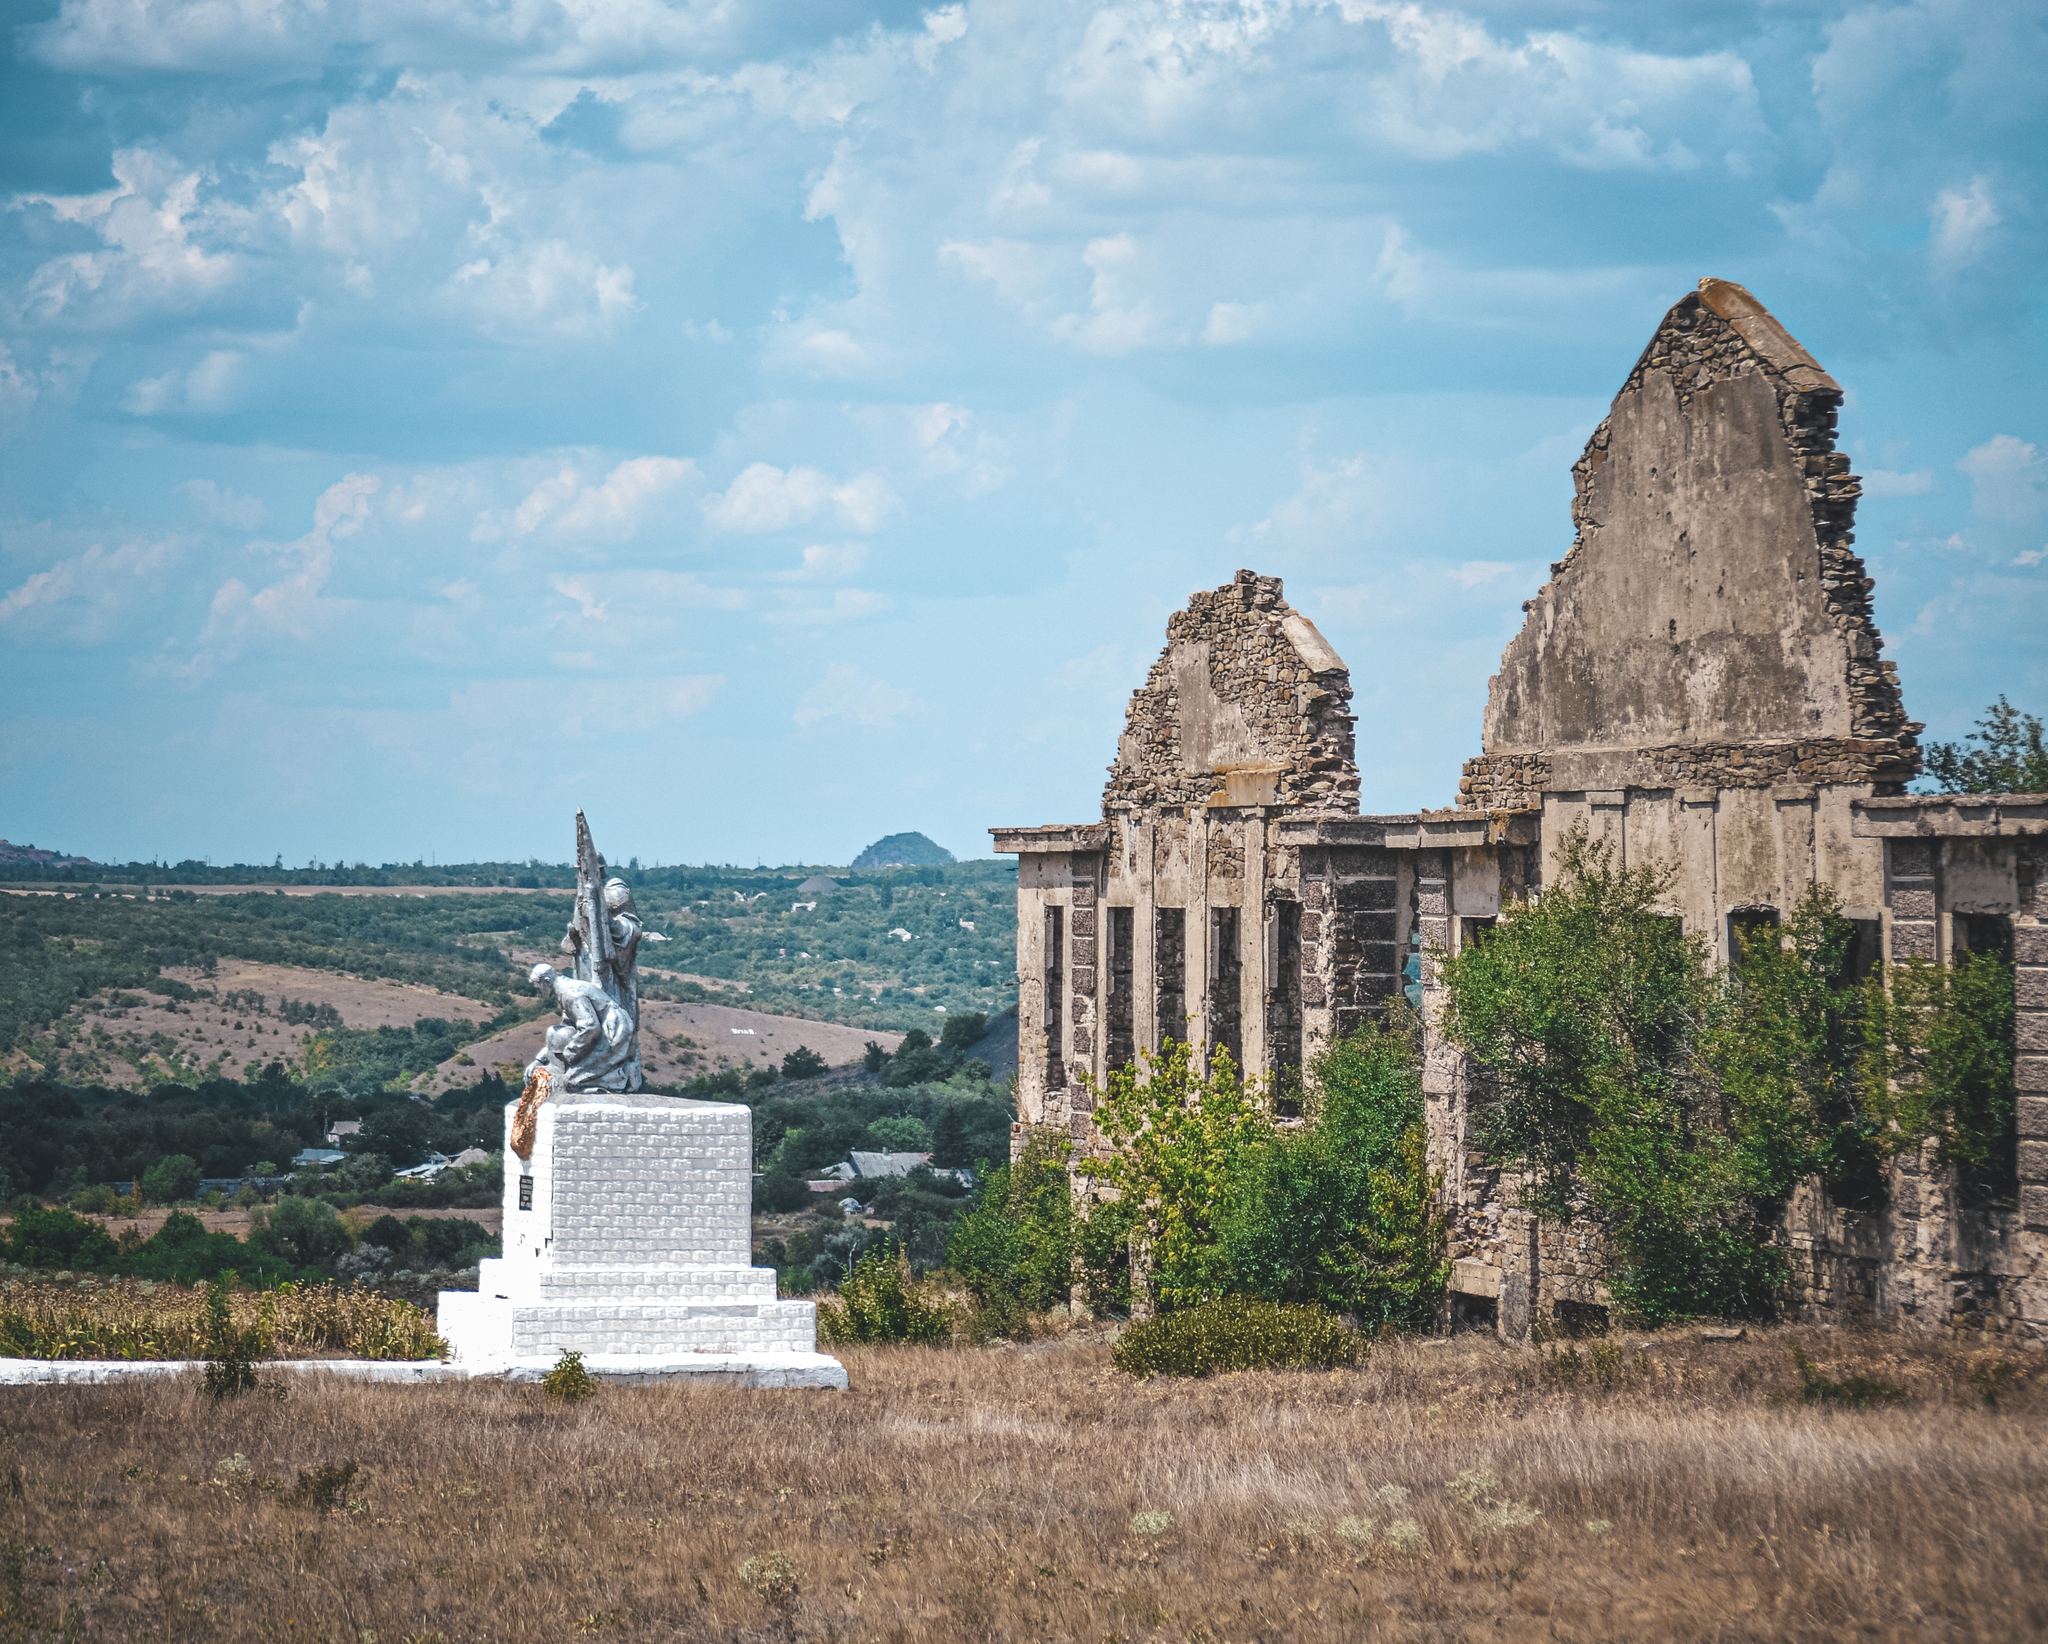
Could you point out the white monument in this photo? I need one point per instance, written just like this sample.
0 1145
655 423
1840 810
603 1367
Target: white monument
627 1216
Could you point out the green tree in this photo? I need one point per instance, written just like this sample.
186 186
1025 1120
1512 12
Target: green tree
949 1139
2008 755
1938 1061
964 1030
1178 1136
1587 1012
171 1179
803 1063
1345 1212
1014 1250
1785 1051
304 1232
899 1134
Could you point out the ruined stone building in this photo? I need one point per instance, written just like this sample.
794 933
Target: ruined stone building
1699 682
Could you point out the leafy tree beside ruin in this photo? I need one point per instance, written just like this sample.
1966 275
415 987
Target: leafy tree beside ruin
1626 1081
2005 754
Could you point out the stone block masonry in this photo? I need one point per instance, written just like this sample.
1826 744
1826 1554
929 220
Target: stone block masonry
628 1239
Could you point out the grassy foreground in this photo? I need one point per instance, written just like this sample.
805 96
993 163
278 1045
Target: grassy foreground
1686 1492
138 1319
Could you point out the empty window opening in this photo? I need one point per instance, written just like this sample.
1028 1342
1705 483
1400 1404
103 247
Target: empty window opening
1577 1319
1226 985
1747 928
1120 1025
1475 1313
1474 933
1170 972
1976 934
1054 993
1283 1004
1865 950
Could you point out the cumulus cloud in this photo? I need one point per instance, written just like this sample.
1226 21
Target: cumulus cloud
563 506
825 561
294 608
846 605
154 232
1455 89
849 697
1339 504
1963 221
2008 479
766 498
85 597
221 505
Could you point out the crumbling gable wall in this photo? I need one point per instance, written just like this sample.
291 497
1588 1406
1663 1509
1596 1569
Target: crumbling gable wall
1711 623
1247 705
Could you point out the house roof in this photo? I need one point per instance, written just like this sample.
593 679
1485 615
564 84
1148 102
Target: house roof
887 1164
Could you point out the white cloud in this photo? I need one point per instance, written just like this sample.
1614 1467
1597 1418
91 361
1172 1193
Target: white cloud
84 597
153 227
1337 506
219 505
941 28
1233 323
1120 317
1883 483
2032 556
212 386
850 697
824 561
1455 89
1962 224
547 286
766 498
294 607
613 510
2008 477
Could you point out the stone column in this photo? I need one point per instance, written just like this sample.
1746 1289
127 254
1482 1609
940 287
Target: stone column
1255 975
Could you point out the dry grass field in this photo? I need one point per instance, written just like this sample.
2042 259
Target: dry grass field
1685 1492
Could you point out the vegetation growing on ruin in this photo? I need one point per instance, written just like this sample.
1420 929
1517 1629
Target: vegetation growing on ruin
1625 1078
1345 1212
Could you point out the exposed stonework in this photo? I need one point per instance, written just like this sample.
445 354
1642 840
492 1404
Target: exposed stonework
1247 705
1711 600
1697 686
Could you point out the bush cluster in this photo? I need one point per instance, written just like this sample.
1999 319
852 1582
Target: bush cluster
1237 1333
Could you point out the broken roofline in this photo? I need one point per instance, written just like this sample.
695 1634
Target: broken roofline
1413 830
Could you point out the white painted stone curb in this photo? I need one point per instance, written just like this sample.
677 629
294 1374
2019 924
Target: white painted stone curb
773 1370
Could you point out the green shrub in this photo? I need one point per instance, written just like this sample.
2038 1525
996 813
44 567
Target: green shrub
56 1239
323 1487
1345 1212
569 1381
299 1230
1015 1248
1236 1333
878 1303
171 1180
779 1190
231 1352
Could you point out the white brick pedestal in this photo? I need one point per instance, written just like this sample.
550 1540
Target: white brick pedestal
627 1240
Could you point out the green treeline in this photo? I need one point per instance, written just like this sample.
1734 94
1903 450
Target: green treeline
1626 1079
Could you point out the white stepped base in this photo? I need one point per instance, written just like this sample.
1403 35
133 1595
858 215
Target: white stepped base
770 1370
479 1327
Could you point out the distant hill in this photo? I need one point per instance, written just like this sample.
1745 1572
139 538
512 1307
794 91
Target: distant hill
904 850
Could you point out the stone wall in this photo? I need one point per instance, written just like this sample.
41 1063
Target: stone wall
1247 705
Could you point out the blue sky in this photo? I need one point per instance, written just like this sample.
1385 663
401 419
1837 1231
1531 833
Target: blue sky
771 426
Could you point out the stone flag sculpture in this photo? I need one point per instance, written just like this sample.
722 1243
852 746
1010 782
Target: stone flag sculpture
596 1045
628 1234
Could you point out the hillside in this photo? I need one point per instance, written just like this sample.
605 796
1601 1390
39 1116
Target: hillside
885 949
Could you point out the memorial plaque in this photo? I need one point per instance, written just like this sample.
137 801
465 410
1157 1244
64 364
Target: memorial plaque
525 1192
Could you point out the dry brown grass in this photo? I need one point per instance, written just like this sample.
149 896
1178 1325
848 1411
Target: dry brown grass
990 1495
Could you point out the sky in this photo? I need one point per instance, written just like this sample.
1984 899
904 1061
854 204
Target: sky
771 426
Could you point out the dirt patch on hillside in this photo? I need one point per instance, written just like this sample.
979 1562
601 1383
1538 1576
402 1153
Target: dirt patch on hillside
147 1222
678 1042
210 1038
